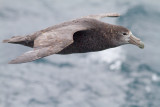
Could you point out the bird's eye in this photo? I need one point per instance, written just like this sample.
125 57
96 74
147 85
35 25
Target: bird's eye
124 33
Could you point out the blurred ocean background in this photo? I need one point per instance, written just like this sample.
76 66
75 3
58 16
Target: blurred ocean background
125 76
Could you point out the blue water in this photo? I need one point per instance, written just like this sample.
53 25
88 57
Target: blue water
125 76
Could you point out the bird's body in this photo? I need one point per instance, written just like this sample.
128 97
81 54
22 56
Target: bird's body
90 40
86 41
82 35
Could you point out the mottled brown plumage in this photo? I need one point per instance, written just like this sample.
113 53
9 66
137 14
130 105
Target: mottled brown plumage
86 34
100 37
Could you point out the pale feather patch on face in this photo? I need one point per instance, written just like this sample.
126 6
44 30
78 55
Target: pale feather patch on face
126 37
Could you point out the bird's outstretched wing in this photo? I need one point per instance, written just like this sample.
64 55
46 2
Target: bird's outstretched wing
99 16
51 42
37 54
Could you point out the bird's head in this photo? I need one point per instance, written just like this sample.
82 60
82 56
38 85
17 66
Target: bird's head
124 36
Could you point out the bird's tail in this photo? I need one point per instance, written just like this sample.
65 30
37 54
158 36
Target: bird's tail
23 40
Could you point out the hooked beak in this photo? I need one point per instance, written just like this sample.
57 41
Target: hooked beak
136 41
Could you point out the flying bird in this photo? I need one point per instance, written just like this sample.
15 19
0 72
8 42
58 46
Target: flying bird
85 34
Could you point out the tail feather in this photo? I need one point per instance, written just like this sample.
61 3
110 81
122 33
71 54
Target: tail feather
5 41
15 39
23 40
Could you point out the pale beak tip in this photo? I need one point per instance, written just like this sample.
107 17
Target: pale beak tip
141 45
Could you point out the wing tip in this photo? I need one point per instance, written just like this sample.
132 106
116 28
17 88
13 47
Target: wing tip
13 62
118 15
114 15
102 15
24 58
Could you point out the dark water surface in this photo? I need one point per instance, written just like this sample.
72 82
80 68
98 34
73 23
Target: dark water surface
121 77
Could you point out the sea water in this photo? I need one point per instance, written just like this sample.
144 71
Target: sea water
125 76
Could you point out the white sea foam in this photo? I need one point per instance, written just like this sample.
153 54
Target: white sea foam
109 55
112 57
